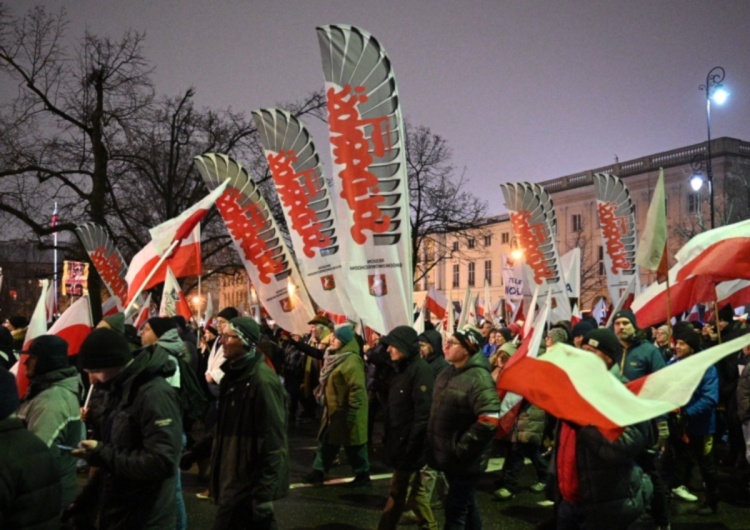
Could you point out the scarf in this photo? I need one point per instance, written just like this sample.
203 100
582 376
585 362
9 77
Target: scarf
330 362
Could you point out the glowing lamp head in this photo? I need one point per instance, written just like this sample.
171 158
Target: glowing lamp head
720 95
696 182
516 254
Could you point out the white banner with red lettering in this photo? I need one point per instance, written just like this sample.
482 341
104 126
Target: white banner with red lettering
307 206
368 151
260 244
533 219
617 225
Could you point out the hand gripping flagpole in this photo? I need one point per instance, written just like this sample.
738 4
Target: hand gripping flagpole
162 259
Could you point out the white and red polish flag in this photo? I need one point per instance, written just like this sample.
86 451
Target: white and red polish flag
652 249
173 300
144 314
736 293
37 326
436 302
575 316
722 254
111 306
74 325
510 402
50 304
575 385
625 301
185 260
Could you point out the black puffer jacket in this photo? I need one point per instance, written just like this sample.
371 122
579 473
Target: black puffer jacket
614 490
30 490
409 398
140 448
463 420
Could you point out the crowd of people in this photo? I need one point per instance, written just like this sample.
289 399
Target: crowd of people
135 408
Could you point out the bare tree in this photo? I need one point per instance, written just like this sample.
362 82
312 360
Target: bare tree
440 203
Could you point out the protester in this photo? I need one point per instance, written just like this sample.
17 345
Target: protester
320 339
408 388
17 325
463 421
250 458
663 341
692 428
343 396
136 459
7 356
51 408
743 400
579 331
597 483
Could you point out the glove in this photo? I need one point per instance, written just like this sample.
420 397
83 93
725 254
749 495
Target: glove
663 428
187 460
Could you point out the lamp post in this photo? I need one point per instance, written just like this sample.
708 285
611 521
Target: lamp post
716 92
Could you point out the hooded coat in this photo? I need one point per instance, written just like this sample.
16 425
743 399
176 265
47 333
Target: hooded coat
345 410
52 411
140 448
409 399
436 359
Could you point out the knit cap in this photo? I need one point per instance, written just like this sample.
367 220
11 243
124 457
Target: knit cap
247 330
9 401
404 339
161 325
685 332
726 313
605 340
104 348
18 321
228 313
625 313
345 333
51 353
469 337
582 328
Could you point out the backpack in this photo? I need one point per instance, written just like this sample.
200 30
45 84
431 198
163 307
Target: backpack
194 402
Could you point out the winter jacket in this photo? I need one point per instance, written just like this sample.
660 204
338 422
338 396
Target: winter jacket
30 489
613 489
140 448
641 358
436 359
465 409
530 425
727 368
345 412
409 398
698 418
250 457
52 411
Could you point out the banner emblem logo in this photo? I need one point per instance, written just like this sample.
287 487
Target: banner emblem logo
286 305
377 285
329 284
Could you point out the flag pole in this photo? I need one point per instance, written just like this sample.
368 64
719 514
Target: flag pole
669 308
54 258
151 274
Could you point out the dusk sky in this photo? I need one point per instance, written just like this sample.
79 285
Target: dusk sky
521 90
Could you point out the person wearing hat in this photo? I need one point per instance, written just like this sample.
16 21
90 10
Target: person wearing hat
693 427
17 325
320 339
596 482
137 456
51 408
463 420
579 331
30 490
408 387
640 358
249 451
343 395
214 372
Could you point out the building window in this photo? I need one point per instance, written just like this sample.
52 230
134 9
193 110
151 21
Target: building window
577 223
488 271
487 241
472 242
455 246
472 275
456 272
602 267
694 202
505 238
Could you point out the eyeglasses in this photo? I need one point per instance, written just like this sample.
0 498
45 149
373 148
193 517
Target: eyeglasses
223 336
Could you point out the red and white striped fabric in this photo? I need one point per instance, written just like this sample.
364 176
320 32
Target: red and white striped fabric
37 327
111 306
51 304
74 325
436 303
736 293
144 314
184 261
650 307
721 254
173 300
575 385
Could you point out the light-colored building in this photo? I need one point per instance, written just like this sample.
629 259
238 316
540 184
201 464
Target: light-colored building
469 260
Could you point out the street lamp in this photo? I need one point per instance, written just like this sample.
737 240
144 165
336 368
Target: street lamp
696 181
716 92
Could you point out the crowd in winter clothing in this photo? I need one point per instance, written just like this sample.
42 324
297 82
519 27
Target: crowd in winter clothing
436 395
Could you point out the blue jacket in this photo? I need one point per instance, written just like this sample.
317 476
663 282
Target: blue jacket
700 412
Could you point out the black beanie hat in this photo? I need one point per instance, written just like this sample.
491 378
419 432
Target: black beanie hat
51 353
104 348
605 340
685 332
9 401
161 325
247 330
583 327
180 321
18 321
507 334
469 337
726 314
626 313
404 339
228 313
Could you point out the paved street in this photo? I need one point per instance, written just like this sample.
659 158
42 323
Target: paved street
337 507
